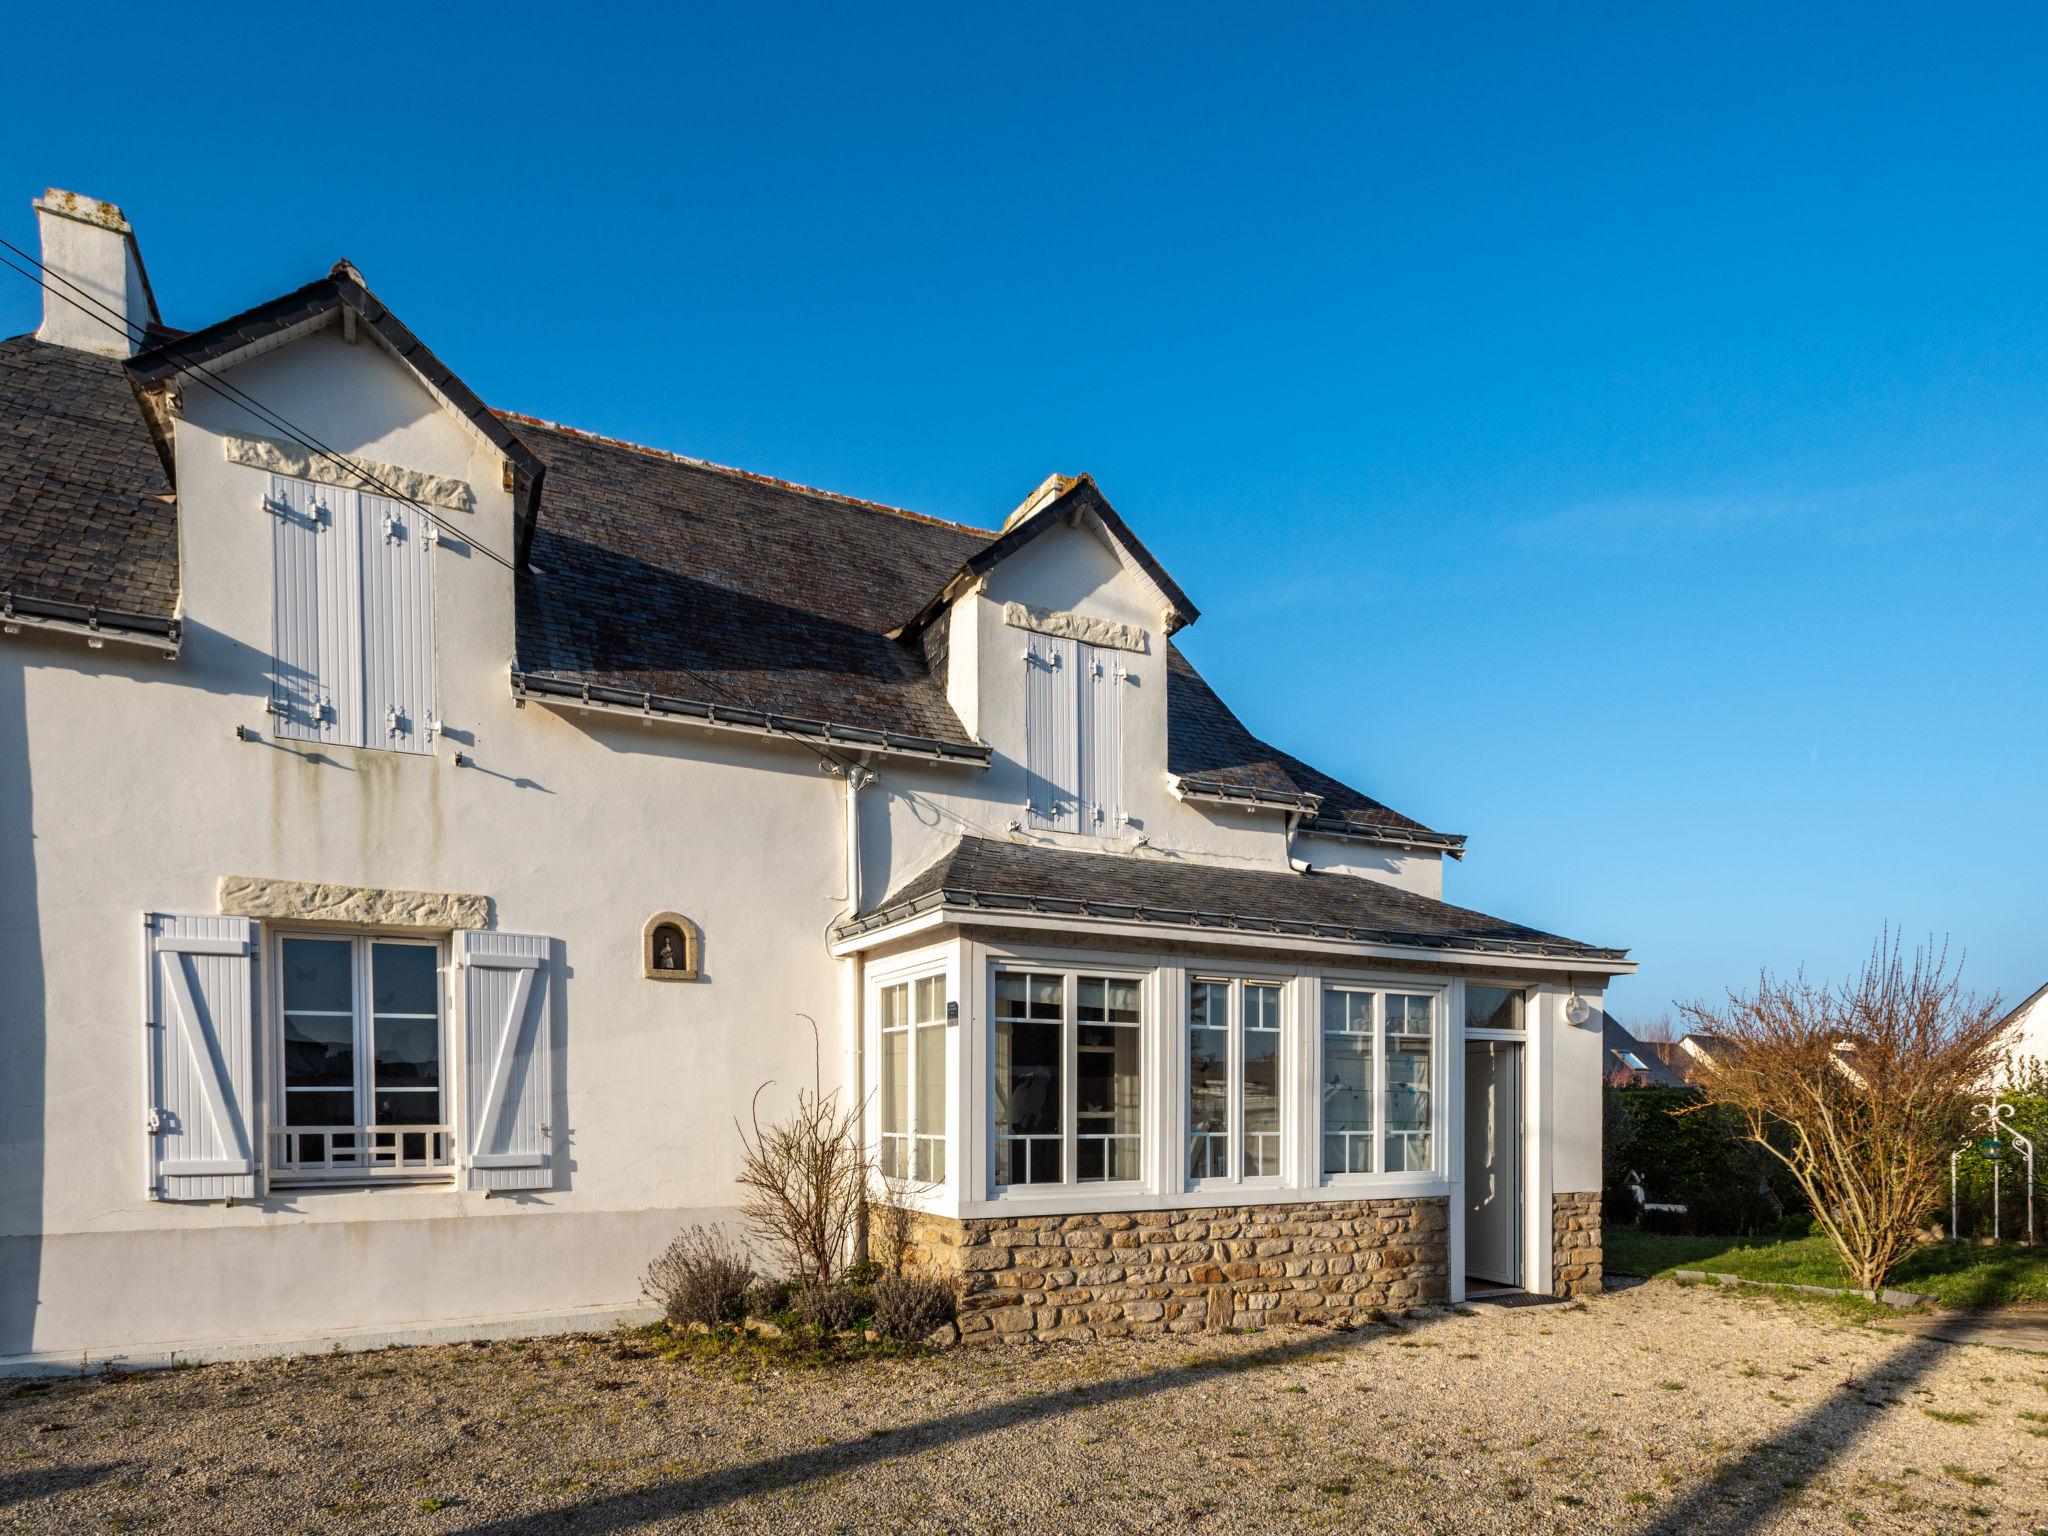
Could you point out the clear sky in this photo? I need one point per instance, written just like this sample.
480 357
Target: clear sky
1616 433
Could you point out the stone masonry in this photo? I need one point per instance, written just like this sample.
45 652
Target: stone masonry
1187 1271
1575 1244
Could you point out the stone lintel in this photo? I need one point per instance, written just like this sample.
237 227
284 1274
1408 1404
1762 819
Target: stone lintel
315 901
1076 626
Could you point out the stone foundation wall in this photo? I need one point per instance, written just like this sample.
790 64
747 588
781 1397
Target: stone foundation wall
1575 1244
1190 1271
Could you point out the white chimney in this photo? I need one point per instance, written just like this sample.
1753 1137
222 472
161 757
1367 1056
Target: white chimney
93 266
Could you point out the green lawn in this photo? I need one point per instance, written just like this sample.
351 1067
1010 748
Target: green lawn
1956 1277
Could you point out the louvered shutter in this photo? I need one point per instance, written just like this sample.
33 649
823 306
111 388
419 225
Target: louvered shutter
200 1017
507 1064
1101 685
316 646
398 624
1051 722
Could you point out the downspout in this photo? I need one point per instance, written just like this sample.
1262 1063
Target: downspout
855 1039
1294 820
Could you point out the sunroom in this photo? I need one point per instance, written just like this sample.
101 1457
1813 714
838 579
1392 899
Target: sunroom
1040 1047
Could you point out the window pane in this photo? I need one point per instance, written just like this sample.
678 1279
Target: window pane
1410 1081
931 1080
895 1004
317 976
931 999
319 1051
408 1107
1347 1082
895 1079
1028 1085
320 1108
408 1053
1208 1079
404 978
1261 1141
1493 1007
1106 1079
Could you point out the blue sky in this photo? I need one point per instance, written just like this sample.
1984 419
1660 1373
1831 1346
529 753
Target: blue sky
1615 433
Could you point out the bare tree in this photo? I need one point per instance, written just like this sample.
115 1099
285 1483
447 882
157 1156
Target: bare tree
1658 1031
805 1177
1860 1089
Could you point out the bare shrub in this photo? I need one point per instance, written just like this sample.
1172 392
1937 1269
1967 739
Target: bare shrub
699 1278
806 1178
909 1307
767 1298
828 1308
1860 1089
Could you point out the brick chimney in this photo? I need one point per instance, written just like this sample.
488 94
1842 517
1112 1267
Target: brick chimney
90 254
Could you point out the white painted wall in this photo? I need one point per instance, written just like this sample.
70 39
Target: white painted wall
129 791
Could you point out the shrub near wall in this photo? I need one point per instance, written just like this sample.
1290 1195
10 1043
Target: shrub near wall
1691 1155
2027 1092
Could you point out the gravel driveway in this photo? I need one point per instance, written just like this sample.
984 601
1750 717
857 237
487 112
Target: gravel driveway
1659 1409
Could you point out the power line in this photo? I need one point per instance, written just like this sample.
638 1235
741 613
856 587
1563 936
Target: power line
234 394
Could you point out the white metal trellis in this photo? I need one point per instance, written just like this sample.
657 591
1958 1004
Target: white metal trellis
1998 1129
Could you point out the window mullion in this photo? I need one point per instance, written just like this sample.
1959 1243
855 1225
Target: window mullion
1070 1085
1235 1161
365 1029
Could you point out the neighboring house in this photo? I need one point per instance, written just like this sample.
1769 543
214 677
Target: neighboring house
426 828
1631 1062
1691 1056
2025 1033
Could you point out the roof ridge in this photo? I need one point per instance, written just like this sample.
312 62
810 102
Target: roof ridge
741 474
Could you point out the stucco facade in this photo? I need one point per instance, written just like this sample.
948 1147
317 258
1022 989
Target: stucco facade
138 783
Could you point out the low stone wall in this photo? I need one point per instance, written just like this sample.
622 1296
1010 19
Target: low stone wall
1189 1271
1575 1257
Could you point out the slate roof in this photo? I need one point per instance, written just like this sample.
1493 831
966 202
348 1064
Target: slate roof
1209 746
1620 1043
988 875
655 580
656 573
83 519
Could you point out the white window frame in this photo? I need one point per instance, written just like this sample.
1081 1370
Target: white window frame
1071 974
1438 990
1237 982
915 1136
390 1160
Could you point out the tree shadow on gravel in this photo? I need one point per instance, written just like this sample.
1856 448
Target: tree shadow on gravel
1752 1489
20 1487
710 1490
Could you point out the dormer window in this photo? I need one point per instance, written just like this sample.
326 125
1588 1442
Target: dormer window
352 651
1073 735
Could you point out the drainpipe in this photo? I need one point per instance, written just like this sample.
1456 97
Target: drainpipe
1294 820
855 1041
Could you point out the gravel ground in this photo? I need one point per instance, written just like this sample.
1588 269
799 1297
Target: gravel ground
1659 1409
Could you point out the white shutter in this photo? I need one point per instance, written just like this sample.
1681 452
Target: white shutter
316 645
1052 775
199 1016
1102 739
507 1062
398 625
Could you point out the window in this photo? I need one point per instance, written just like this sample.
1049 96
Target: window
352 639
1067 1089
1379 1069
1073 735
913 1018
1494 1007
1233 1079
361 1090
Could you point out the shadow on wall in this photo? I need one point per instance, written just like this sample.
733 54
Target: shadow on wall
23 1023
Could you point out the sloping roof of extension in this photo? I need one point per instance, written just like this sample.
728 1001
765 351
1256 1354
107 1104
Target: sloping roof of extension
86 524
1621 1045
986 875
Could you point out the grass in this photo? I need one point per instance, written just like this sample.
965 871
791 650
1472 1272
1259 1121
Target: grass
1962 1276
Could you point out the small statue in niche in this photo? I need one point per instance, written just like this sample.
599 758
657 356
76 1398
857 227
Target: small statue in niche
668 948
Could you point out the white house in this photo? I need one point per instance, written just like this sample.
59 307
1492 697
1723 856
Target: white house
425 828
2025 1034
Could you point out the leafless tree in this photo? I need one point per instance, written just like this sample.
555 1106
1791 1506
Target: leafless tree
1658 1031
1861 1089
805 1177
